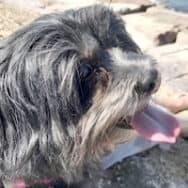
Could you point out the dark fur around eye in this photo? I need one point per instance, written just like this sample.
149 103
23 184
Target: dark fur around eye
85 70
86 83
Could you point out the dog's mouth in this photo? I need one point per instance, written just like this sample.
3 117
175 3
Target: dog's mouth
154 123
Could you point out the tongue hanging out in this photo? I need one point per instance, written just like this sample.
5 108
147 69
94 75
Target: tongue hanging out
156 124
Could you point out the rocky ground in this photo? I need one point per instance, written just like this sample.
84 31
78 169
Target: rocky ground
163 34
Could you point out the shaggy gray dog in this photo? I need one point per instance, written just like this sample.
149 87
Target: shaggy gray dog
70 83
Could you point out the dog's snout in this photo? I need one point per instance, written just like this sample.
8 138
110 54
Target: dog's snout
150 84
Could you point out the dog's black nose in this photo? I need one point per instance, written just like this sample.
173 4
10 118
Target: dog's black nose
150 83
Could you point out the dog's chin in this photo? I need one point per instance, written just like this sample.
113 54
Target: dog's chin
123 132
125 122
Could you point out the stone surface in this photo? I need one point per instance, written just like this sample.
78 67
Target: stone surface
45 6
121 8
180 5
139 2
167 16
118 7
166 38
173 64
182 37
156 22
145 29
157 168
12 18
24 4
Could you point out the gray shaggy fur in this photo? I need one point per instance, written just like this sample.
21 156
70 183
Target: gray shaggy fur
66 80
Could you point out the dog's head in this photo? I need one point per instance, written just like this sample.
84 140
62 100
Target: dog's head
105 79
68 81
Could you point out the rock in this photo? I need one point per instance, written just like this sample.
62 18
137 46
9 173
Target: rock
125 9
122 8
172 60
80 1
124 150
138 2
145 28
181 5
164 15
157 168
12 18
165 92
157 26
23 5
166 38
182 37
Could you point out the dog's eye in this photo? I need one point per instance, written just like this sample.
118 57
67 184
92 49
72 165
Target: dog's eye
85 70
86 83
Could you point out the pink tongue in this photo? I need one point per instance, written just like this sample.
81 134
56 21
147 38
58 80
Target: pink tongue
156 124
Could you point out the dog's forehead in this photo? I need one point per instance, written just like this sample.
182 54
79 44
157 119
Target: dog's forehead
90 47
121 57
101 27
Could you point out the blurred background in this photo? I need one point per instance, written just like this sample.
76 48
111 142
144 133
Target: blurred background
160 28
